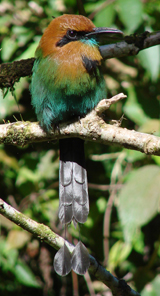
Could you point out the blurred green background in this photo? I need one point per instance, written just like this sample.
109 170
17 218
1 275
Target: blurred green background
123 227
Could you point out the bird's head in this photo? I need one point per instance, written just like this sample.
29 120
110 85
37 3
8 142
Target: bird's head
71 34
67 78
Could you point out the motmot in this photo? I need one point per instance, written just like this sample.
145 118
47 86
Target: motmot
67 83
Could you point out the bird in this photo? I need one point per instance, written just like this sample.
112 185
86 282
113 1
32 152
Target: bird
67 83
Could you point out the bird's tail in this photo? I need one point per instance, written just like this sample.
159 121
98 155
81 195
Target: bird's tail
73 188
73 203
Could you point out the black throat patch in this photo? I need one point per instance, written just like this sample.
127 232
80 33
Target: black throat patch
90 65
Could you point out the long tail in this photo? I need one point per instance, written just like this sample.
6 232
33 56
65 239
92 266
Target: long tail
73 188
73 203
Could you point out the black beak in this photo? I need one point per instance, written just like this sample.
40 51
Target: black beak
105 35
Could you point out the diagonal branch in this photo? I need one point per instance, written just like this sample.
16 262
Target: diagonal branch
44 233
91 128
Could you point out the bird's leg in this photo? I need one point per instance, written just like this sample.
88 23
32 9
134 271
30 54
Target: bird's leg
56 127
79 119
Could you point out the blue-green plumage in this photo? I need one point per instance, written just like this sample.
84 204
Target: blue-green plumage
60 99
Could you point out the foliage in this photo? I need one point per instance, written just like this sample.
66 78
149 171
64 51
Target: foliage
29 176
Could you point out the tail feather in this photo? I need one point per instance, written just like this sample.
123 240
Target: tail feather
80 194
63 261
73 200
73 203
80 259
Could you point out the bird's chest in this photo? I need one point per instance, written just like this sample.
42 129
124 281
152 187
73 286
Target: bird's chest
65 90
72 78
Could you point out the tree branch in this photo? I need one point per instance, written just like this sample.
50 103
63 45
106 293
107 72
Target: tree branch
131 45
44 233
12 72
91 128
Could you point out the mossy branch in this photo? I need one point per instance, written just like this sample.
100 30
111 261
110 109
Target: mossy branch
44 233
92 128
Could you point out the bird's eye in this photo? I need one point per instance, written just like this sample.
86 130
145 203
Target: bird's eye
72 34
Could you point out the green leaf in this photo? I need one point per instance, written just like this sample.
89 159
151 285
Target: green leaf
139 200
156 159
151 126
17 239
4 19
101 204
149 59
23 34
49 210
8 258
130 13
133 155
133 109
2 244
24 275
105 17
25 175
47 167
9 46
118 253
153 288
138 241
8 104
29 52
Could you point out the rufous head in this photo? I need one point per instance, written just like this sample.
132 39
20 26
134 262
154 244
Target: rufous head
68 28
63 30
